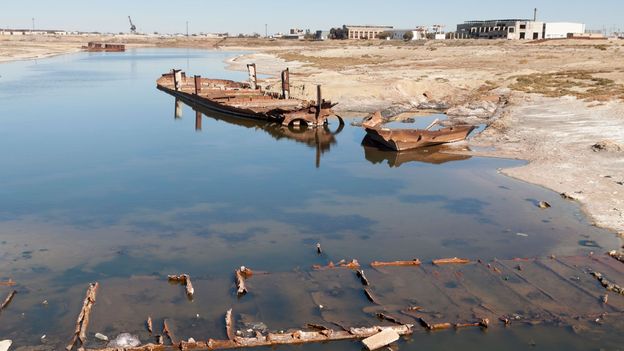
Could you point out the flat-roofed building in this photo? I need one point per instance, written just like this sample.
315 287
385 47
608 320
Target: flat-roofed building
366 31
561 30
518 29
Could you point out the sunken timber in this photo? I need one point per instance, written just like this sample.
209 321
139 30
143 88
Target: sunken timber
407 139
248 99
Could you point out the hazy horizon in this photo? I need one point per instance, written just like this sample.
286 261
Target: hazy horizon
248 16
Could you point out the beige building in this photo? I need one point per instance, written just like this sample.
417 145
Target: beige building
366 32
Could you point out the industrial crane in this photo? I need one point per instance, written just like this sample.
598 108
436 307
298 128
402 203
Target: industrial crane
132 26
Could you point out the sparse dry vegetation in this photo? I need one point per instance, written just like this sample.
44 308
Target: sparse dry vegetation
580 84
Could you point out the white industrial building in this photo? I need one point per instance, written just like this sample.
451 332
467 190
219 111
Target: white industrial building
560 30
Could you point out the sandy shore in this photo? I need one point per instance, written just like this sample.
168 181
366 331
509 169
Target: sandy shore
547 102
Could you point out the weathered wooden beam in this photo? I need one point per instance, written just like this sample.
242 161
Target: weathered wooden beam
82 322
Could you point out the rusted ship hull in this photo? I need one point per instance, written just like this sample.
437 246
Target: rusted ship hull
406 139
100 47
244 100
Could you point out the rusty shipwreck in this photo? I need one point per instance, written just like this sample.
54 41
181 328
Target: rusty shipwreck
103 47
407 139
248 99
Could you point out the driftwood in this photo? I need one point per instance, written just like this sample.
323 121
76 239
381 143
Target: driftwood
82 322
183 279
167 332
414 262
353 264
453 260
435 326
363 279
9 282
8 299
242 274
229 331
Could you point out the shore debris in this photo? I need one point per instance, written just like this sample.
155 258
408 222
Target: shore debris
125 340
183 279
435 326
607 284
381 339
318 248
543 205
168 333
82 322
483 323
99 47
7 300
5 344
391 319
453 260
100 336
608 146
353 264
360 274
414 262
406 139
617 255
149 324
9 282
370 296
229 325
241 274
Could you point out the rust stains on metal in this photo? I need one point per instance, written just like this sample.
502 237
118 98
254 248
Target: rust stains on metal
98 47
286 84
82 322
406 139
247 100
453 260
186 280
414 262
241 274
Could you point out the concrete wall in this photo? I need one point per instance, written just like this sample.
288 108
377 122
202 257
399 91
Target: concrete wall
560 30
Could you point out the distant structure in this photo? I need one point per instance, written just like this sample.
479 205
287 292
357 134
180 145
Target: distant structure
365 31
516 29
435 32
132 26
9 31
296 33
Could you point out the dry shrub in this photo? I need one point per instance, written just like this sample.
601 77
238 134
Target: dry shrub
580 84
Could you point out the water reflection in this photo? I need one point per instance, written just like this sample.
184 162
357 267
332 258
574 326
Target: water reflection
432 154
321 139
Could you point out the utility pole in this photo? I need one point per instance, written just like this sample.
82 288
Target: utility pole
266 30
187 28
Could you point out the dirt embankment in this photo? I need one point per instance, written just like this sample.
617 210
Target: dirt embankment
551 101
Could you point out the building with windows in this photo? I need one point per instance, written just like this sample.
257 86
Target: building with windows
366 32
516 29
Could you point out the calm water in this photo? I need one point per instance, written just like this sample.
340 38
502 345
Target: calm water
100 180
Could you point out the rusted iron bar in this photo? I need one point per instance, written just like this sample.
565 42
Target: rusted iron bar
168 333
198 86
363 279
414 262
253 76
353 264
453 260
241 274
183 279
319 102
82 322
8 299
286 84
9 282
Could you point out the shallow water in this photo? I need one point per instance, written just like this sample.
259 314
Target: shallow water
100 180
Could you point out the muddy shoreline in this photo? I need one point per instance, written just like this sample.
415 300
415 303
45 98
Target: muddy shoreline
400 77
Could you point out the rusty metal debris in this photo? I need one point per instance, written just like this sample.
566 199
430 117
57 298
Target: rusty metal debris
247 100
406 139
7 300
434 326
607 284
353 264
453 260
168 333
96 47
241 274
617 255
183 279
363 279
414 262
9 282
82 322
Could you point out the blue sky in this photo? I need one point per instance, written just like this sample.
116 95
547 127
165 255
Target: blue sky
247 16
